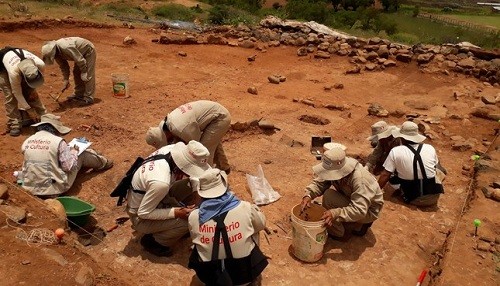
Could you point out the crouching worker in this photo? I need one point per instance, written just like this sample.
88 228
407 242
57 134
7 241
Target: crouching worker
50 165
417 168
350 193
236 259
156 208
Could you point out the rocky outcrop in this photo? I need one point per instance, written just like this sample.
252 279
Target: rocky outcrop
372 54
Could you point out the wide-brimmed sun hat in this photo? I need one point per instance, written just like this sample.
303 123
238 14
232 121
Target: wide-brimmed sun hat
192 158
380 130
156 137
49 52
32 75
334 165
331 145
213 183
53 120
409 131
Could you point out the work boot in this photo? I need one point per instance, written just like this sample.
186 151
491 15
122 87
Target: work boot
153 247
86 101
363 230
14 131
108 165
75 97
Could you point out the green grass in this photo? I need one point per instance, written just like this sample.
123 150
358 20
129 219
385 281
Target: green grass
175 12
493 21
427 31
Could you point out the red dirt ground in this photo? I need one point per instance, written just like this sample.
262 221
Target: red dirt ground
402 243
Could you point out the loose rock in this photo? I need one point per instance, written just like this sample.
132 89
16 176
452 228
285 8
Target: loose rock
252 90
376 109
273 79
85 276
16 214
129 41
4 191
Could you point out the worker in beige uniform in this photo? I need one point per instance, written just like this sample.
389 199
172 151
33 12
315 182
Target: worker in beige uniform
203 120
242 221
381 133
350 193
80 51
157 209
50 165
20 76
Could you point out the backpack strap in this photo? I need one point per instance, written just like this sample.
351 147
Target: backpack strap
221 228
417 159
19 53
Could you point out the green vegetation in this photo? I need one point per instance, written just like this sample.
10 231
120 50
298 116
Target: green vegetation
63 2
401 22
493 21
175 12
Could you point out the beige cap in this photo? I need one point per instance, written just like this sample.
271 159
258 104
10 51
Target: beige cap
155 137
49 52
334 165
31 73
331 145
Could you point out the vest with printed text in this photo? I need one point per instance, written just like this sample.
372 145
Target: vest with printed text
42 173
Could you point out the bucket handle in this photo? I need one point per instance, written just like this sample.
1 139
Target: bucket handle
313 238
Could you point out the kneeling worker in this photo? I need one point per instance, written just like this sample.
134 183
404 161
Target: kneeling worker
50 165
222 217
350 193
156 208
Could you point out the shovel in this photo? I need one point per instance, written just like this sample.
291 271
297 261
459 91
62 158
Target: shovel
317 143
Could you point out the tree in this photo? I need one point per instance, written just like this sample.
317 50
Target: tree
355 4
390 5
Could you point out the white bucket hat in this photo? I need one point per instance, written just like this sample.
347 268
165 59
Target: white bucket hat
49 52
409 131
380 130
334 165
54 121
192 158
155 137
32 75
213 183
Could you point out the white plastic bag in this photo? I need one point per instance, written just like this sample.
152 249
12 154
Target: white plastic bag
262 192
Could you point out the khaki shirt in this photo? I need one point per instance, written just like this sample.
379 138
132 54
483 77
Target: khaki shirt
73 49
361 186
377 158
189 120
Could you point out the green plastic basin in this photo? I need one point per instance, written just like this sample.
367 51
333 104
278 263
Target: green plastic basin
77 211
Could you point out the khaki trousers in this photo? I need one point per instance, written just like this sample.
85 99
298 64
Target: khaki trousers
88 159
166 232
85 89
332 200
14 118
212 137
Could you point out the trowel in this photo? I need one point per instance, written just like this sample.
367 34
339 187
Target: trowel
317 145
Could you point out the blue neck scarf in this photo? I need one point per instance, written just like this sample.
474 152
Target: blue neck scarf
210 208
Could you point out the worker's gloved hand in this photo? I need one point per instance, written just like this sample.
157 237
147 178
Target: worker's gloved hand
65 85
85 77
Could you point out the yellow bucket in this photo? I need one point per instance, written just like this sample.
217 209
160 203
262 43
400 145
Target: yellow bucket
120 85
308 233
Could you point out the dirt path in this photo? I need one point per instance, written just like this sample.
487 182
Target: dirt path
401 243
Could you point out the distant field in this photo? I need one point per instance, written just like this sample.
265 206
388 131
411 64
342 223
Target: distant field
493 21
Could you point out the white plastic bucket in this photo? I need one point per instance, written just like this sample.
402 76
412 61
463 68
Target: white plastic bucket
308 236
120 85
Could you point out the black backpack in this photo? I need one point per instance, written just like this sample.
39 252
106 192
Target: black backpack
7 49
126 182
